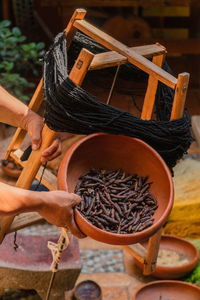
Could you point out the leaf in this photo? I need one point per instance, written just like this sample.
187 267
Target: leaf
22 38
5 23
25 47
11 39
16 31
40 46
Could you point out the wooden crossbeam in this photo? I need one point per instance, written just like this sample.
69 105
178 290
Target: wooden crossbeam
113 58
132 56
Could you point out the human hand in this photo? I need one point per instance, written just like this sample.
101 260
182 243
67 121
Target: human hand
57 207
34 125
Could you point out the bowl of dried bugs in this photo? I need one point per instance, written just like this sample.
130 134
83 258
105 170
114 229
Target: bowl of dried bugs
126 188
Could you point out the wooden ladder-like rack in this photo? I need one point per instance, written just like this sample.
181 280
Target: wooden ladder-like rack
119 54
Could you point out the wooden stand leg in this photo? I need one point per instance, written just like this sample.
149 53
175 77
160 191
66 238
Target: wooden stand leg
152 253
147 110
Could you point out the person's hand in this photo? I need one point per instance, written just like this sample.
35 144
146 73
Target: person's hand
34 127
57 207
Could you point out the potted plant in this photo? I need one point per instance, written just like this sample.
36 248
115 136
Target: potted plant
20 62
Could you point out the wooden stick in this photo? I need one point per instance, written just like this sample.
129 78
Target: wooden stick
149 99
152 253
33 164
70 30
113 58
177 112
180 96
137 251
133 57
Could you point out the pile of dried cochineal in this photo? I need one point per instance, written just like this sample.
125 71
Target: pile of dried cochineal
115 201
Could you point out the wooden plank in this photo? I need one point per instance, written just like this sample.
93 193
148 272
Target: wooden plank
34 105
24 220
133 57
49 180
137 251
113 58
180 96
149 98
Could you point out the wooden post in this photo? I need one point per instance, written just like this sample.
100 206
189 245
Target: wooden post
147 110
70 30
180 96
149 99
177 112
33 164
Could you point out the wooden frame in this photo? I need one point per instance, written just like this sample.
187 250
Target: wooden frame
119 54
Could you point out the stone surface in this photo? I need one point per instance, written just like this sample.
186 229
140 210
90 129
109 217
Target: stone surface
29 266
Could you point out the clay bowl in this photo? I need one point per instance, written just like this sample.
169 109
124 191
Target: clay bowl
87 290
181 246
111 152
168 290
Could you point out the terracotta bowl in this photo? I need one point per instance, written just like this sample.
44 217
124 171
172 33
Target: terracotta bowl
13 172
168 290
181 246
111 152
86 290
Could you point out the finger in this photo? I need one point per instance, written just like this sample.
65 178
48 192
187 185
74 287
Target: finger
36 141
50 157
35 135
51 152
75 200
75 230
52 148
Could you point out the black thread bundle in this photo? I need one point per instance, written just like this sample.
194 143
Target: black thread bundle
70 108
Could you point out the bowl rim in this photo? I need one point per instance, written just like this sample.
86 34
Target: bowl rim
62 180
157 282
192 261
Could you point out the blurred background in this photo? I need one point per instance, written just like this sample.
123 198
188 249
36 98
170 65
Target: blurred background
175 24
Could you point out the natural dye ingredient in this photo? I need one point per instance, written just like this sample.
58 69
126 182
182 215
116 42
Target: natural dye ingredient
171 258
115 201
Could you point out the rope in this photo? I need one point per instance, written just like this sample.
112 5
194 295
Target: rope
70 108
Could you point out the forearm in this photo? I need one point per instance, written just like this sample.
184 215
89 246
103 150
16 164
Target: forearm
15 200
12 110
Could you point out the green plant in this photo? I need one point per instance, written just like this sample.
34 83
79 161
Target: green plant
18 60
194 276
